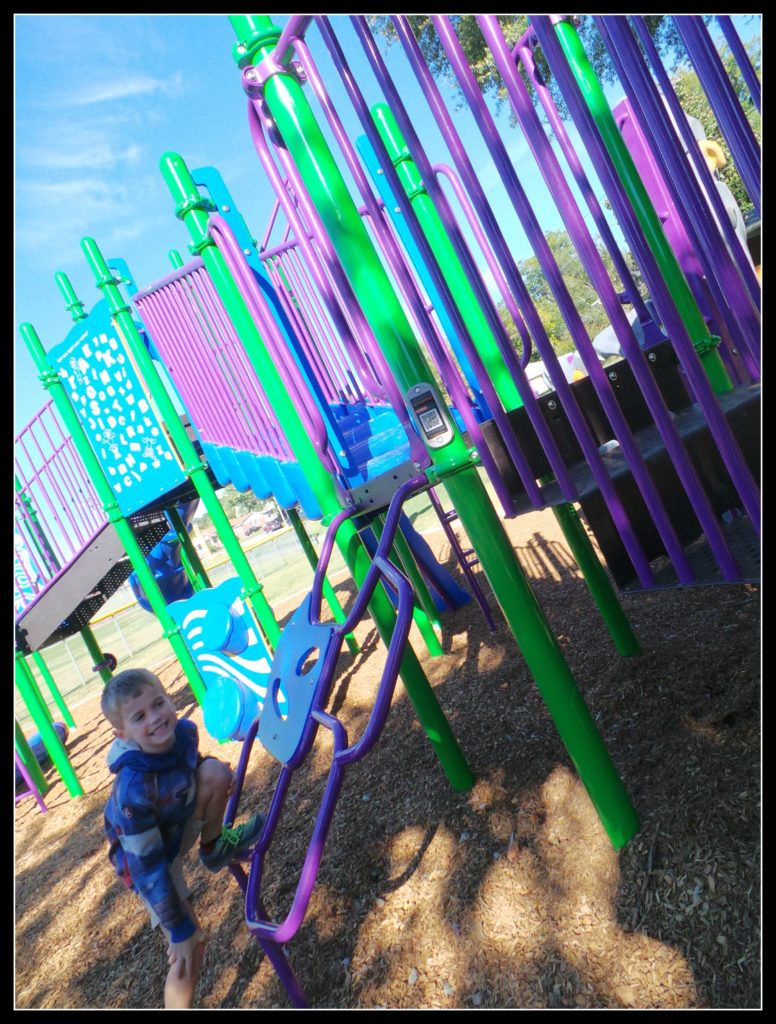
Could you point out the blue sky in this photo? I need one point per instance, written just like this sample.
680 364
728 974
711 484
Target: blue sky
98 100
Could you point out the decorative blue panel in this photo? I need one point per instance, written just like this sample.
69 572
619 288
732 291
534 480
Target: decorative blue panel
124 431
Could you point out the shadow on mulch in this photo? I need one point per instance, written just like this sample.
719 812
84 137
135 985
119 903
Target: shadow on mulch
506 895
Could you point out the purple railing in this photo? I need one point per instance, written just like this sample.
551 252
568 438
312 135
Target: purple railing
57 510
207 363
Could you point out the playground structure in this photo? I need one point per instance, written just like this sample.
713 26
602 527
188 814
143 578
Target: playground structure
659 450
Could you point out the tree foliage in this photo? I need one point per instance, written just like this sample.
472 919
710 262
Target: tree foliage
583 294
661 28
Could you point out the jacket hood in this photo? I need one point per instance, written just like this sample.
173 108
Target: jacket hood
127 754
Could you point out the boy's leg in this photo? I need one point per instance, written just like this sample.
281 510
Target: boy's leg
214 784
179 988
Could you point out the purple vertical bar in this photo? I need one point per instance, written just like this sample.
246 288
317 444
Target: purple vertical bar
593 264
741 57
724 102
698 160
722 275
372 385
683 346
388 385
524 53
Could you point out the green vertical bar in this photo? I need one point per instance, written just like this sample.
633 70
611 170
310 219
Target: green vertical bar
97 656
51 381
33 682
328 590
692 318
30 761
598 582
193 467
43 668
190 560
404 560
192 210
297 126
449 265
26 686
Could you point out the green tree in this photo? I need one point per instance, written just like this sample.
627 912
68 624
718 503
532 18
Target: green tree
661 28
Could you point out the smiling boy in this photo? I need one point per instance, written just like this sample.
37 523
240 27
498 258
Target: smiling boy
164 796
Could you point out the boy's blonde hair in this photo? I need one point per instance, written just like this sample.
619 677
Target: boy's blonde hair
124 687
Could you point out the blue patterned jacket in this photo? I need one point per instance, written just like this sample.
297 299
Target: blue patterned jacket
152 798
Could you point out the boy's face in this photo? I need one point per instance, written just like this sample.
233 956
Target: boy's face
149 719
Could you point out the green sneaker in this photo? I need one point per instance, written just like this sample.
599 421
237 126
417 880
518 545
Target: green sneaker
232 842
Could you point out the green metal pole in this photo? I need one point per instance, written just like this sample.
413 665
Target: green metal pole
51 382
192 209
449 265
190 560
33 682
43 668
691 316
29 694
403 558
30 761
598 582
97 656
479 330
306 144
328 590
193 467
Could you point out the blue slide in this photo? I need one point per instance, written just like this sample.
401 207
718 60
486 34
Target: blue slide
164 561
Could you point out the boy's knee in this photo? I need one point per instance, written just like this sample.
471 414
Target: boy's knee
214 776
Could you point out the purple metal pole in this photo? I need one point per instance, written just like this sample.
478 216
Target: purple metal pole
724 102
254 299
726 443
292 302
524 53
699 162
722 274
593 264
741 57
324 285
505 345
489 256
589 357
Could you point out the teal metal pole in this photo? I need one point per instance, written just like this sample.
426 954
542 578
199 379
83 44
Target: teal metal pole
43 668
51 381
38 712
306 144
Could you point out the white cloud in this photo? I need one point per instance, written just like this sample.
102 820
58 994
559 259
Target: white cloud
123 87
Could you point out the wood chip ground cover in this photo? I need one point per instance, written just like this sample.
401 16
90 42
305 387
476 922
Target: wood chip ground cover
507 895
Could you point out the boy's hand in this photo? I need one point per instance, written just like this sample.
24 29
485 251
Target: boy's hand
183 953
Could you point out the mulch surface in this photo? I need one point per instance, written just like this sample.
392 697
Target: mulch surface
507 895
